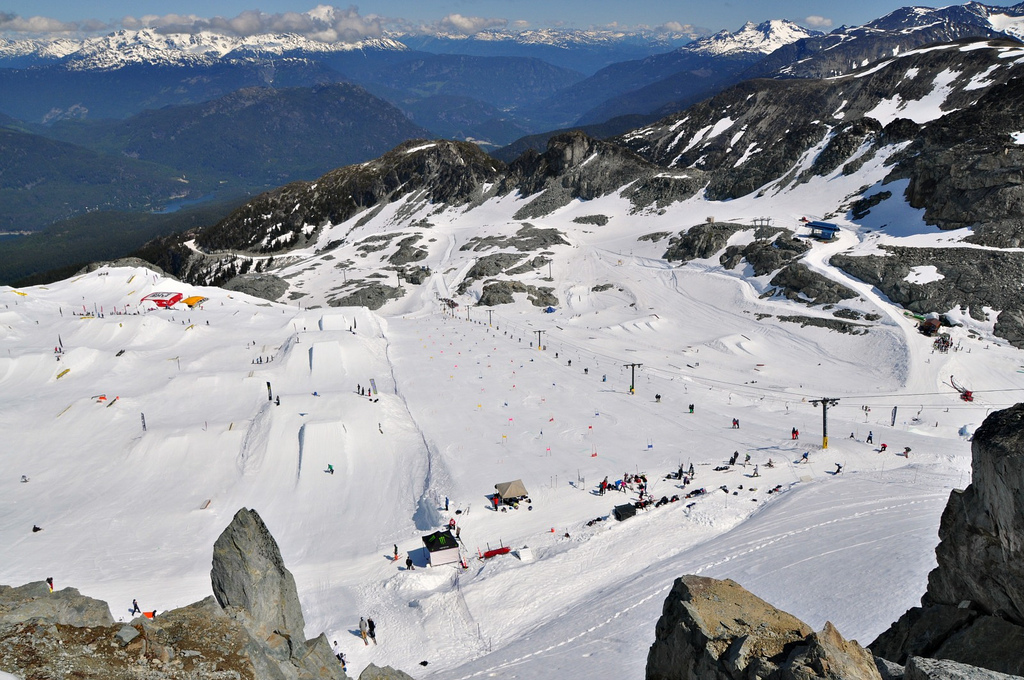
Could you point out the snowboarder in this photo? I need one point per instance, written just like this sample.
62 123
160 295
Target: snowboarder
735 423
735 457
806 457
657 398
135 607
362 631
36 528
883 447
277 400
792 433
330 469
371 630
691 469
871 437
604 485
49 582
409 565
839 468
691 408
24 479
906 452
770 463
446 503
746 459
339 655
756 473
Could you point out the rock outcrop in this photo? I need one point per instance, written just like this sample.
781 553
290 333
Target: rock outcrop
251 630
68 607
973 610
716 630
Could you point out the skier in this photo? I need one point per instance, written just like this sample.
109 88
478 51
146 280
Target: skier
371 630
362 630
409 565
839 468
792 433
446 503
49 582
735 423
871 437
756 473
691 408
330 469
135 607
396 553
746 460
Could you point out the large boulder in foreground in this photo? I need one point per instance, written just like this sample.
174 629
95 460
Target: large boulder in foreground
717 630
249 574
973 610
981 548
67 607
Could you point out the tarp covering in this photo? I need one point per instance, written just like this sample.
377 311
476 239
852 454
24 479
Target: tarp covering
513 489
194 300
622 512
442 547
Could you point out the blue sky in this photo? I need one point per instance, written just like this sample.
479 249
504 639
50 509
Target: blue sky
27 16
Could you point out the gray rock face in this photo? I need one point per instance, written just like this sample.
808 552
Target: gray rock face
764 254
981 549
266 286
920 668
972 278
372 296
374 672
828 655
712 629
67 607
973 611
701 241
249 574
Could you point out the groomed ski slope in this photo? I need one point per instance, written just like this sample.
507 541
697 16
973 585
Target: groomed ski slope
462 406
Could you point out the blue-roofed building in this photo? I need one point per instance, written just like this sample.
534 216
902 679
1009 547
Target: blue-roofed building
823 231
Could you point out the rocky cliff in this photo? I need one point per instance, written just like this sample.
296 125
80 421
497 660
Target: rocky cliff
252 629
973 610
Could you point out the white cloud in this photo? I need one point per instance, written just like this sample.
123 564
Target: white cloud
815 21
324 22
456 23
12 23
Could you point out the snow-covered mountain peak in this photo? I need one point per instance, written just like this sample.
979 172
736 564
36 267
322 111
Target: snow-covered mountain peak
764 38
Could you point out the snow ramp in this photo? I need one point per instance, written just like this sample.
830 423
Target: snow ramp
327 364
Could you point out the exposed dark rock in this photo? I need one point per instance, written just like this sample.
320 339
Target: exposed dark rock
654 236
972 278
266 286
802 284
528 266
500 293
408 251
416 275
701 241
600 288
527 239
920 631
765 256
596 220
372 296
576 166
66 607
831 324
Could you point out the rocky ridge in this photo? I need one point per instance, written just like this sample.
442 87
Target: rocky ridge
251 628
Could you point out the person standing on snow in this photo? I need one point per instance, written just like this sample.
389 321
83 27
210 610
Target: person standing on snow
396 552
135 607
409 565
362 630
871 437
371 630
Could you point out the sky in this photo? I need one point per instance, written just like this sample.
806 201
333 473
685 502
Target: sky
28 17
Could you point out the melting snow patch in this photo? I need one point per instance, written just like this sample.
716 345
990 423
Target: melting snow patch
1018 137
923 274
981 80
751 150
923 110
420 148
912 72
